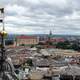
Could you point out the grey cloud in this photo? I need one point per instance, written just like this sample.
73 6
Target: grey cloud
44 15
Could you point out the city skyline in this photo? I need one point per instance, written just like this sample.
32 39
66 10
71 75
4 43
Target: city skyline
41 16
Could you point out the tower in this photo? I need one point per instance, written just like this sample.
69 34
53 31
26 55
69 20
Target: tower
6 67
50 35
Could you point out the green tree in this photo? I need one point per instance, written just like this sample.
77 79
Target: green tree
75 47
22 44
63 45
29 62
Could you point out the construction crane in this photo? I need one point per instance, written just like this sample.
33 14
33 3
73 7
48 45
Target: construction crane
6 66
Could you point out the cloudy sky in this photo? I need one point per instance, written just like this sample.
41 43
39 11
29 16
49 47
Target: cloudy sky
41 16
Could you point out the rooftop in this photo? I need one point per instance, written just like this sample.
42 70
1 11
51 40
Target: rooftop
25 37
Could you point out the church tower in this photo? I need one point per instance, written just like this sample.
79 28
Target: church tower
50 35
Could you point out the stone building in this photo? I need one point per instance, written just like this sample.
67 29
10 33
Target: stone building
26 40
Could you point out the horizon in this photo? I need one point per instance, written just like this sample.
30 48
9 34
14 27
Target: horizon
47 34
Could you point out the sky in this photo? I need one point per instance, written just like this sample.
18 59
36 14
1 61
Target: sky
41 16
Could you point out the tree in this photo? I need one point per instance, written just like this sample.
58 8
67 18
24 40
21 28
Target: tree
63 45
60 45
75 47
32 46
29 62
22 44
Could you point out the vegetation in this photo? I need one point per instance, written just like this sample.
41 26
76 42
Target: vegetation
68 45
32 46
22 45
63 45
29 62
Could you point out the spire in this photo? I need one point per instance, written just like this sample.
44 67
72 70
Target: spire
2 34
6 70
50 32
50 35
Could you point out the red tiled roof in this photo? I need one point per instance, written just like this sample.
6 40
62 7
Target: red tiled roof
25 37
57 40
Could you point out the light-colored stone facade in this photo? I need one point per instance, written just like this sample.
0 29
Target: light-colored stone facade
27 40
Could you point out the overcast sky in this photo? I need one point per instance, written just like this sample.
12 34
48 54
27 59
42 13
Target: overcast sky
41 16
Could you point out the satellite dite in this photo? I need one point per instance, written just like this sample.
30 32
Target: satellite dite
6 66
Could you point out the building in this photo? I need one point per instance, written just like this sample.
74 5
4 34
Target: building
70 73
43 38
9 40
50 35
26 40
51 38
56 40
